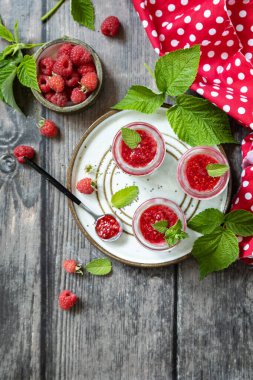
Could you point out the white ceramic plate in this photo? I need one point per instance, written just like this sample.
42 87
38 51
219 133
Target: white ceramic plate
95 149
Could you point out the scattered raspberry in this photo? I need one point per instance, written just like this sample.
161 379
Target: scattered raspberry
73 80
90 81
79 55
49 95
60 99
22 151
48 128
65 49
86 186
46 66
110 26
72 266
87 68
63 66
67 299
57 83
78 96
43 81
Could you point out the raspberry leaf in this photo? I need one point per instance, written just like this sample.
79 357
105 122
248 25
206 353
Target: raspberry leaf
240 222
5 33
27 73
175 233
198 122
216 170
206 221
7 76
175 72
125 196
161 226
215 251
130 137
99 267
140 98
83 12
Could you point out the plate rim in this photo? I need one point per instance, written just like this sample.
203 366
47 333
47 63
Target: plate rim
83 230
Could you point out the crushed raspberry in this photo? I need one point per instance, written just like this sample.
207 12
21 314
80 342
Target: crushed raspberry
197 175
107 227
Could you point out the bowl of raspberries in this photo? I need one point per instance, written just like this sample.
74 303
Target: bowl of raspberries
69 75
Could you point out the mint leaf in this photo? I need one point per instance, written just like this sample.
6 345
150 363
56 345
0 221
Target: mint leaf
130 137
99 267
5 33
161 226
216 170
175 233
206 221
27 72
7 76
198 122
240 222
83 12
141 99
125 196
215 251
176 71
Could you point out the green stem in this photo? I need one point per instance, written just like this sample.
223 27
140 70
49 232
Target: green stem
53 10
149 70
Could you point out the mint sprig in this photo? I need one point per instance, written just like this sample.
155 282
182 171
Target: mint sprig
216 170
196 121
125 197
173 234
161 226
99 267
130 137
219 247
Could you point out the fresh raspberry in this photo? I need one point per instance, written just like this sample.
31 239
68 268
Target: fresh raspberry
49 95
46 66
110 26
57 83
43 81
65 49
63 66
78 96
48 128
86 186
87 68
67 299
59 99
22 151
72 266
73 80
79 55
90 81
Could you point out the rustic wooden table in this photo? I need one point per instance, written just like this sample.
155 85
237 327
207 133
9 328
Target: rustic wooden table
137 324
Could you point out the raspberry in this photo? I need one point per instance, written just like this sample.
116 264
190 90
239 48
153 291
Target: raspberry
86 186
49 95
48 128
78 96
46 66
57 83
22 151
60 99
72 266
79 55
67 299
43 81
63 66
110 26
65 49
73 80
87 68
90 81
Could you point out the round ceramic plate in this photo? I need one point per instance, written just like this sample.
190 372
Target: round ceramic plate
95 149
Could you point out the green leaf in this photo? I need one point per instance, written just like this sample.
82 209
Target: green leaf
175 233
206 221
216 170
27 72
215 251
5 33
99 267
83 12
16 33
141 99
198 122
7 76
176 71
125 196
240 222
161 226
130 137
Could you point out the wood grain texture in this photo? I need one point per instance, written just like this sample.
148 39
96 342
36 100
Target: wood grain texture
136 324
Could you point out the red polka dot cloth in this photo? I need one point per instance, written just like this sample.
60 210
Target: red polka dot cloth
225 31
